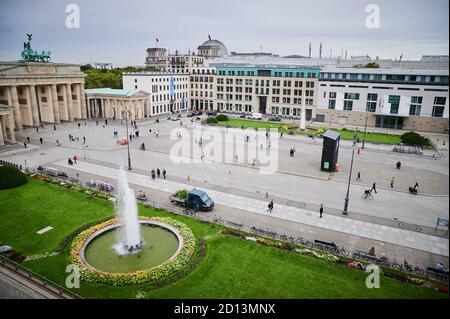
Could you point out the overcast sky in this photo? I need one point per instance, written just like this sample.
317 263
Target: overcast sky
120 31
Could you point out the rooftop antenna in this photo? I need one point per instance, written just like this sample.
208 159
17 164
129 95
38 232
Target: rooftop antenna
309 50
345 55
320 50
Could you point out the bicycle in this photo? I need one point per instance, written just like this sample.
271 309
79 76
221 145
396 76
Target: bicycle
189 212
367 195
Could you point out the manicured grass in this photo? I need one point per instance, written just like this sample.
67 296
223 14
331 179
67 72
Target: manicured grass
378 138
232 267
250 124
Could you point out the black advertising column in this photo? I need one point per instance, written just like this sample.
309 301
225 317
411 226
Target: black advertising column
330 151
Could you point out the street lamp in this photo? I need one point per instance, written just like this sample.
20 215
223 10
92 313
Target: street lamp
365 129
345 212
125 115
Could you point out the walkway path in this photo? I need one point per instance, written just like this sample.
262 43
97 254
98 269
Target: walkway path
423 242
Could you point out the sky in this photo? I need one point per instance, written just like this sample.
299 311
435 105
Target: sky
119 32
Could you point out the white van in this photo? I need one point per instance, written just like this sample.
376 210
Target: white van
256 116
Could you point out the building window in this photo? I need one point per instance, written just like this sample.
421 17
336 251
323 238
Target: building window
439 106
351 96
394 100
348 105
372 97
332 95
332 104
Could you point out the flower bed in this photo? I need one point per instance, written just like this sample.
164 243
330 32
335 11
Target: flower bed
154 274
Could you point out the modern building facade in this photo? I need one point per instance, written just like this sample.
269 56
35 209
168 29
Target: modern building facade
168 92
277 90
42 92
405 99
203 89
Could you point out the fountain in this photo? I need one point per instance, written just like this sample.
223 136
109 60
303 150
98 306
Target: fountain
127 213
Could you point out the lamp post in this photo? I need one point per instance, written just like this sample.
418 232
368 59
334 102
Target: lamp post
365 129
125 115
345 212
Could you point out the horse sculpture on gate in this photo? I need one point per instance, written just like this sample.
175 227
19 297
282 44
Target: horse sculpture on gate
28 54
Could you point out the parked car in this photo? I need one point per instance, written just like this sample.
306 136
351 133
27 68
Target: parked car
196 199
242 116
190 114
176 117
198 113
211 113
275 119
256 116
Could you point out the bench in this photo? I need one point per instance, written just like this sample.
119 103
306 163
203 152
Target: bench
365 255
325 244
437 273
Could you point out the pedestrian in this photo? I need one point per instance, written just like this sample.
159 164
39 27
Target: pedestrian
25 144
157 133
321 211
158 172
153 174
398 165
54 127
392 182
41 140
96 122
164 173
270 207
106 121
79 125
416 185
131 138
58 143
84 123
37 129
281 135
75 158
358 178
149 130
358 150
374 188
84 139
28 139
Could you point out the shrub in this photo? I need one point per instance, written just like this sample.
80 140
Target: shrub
11 177
222 118
211 120
182 194
413 138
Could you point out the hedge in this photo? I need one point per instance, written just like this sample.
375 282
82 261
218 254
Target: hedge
222 118
413 138
11 177
210 120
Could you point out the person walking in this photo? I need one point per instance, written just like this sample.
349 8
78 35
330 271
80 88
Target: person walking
54 127
358 177
28 139
96 122
79 125
158 172
416 185
321 211
25 144
164 173
392 182
374 188
41 140
270 207
153 174
75 158
84 139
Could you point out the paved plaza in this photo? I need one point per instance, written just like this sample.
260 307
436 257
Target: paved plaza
240 188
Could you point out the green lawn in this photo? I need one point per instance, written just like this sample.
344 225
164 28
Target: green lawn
232 267
378 138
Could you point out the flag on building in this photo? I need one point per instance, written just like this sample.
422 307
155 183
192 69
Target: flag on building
157 40
209 37
172 87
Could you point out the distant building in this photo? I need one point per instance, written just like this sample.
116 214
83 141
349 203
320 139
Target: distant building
168 92
157 58
434 58
212 49
102 66
183 63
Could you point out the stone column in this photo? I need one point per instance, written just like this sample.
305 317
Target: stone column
69 101
88 107
12 134
84 111
34 105
15 104
55 104
2 140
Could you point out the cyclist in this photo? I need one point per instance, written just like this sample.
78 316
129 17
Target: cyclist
367 193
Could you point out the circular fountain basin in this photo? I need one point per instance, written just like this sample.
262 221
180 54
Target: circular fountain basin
162 242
